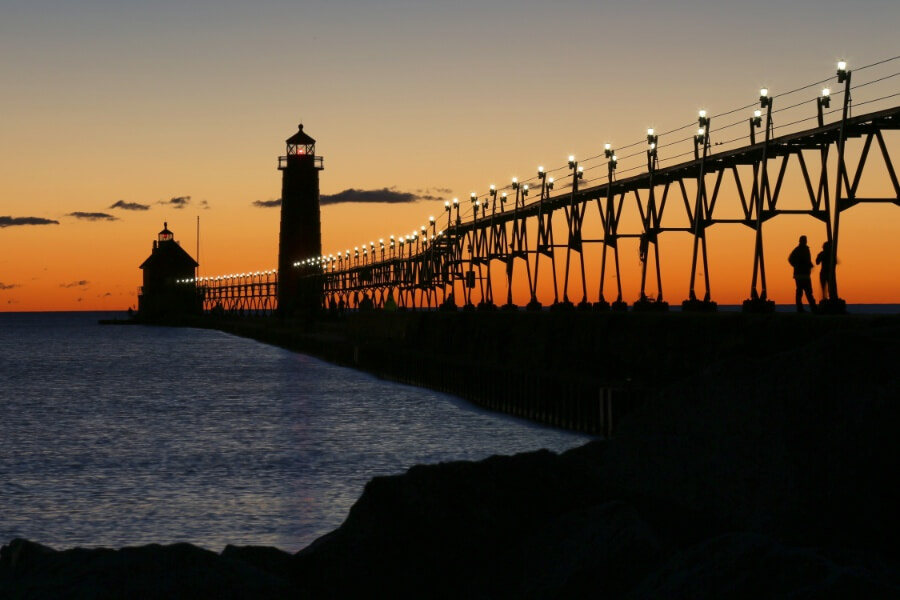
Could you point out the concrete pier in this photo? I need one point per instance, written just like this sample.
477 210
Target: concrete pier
574 370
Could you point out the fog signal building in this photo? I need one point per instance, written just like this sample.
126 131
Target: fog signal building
169 288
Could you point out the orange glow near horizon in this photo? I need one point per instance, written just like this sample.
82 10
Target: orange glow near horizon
148 140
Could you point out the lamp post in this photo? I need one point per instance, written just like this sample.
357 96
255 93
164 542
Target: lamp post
650 227
575 217
758 301
823 102
701 149
835 304
609 231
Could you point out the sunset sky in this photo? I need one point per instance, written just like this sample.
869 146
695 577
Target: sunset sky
120 115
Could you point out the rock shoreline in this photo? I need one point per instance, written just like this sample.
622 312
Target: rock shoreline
762 476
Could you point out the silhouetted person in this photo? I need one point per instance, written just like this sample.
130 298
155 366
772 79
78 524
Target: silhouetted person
801 260
825 271
390 304
366 304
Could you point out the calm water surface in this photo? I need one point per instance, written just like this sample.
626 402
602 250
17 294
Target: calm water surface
115 436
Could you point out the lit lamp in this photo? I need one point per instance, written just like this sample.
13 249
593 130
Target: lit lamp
515 183
652 140
550 183
702 119
542 174
579 173
702 136
764 100
823 102
842 73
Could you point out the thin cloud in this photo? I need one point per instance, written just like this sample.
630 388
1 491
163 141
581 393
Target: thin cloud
177 201
93 216
267 203
382 196
16 221
8 286
74 284
129 205
431 191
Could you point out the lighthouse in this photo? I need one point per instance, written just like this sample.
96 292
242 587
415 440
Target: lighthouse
169 288
300 234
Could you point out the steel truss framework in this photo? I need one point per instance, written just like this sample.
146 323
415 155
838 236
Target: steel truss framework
246 294
431 270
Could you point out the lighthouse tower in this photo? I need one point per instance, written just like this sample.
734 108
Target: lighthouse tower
300 236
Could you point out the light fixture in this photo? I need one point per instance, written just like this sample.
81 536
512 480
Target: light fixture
825 98
580 173
493 191
700 138
842 71
571 161
607 150
541 173
515 183
757 118
473 197
550 184
764 100
702 119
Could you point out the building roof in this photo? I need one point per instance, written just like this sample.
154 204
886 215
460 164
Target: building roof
300 138
169 254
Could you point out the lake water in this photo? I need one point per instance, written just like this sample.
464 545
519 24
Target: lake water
117 436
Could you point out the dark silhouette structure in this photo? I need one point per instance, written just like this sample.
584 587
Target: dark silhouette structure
300 235
169 288
563 235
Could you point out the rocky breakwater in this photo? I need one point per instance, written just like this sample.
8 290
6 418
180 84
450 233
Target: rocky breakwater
756 476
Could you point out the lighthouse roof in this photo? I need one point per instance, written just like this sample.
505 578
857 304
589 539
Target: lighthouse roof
169 258
300 138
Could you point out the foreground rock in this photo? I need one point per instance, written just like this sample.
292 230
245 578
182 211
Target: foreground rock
760 477
30 570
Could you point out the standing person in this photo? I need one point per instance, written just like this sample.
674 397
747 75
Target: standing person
825 271
801 260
